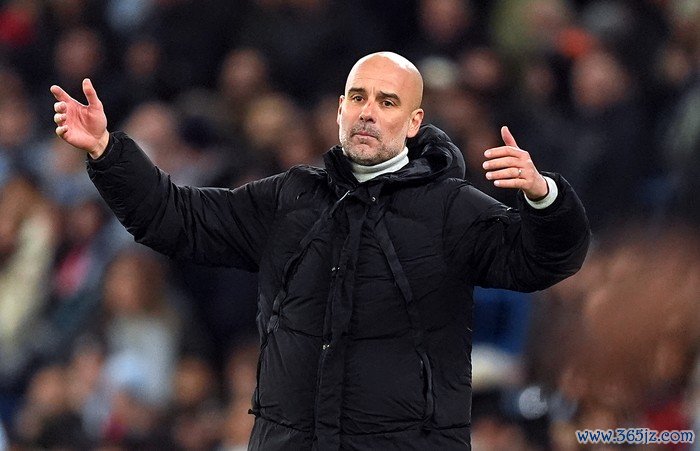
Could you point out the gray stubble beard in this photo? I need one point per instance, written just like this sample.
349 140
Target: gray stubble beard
383 153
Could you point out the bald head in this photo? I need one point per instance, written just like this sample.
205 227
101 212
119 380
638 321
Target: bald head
380 108
392 65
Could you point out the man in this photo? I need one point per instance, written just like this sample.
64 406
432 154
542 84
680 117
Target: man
366 267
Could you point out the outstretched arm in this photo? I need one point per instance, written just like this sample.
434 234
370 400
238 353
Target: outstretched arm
82 126
207 225
528 249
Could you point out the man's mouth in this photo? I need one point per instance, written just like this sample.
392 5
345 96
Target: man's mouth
366 134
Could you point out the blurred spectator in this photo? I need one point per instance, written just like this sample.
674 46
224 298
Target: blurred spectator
219 152
158 128
632 30
680 142
625 333
445 28
324 125
18 136
122 390
66 14
195 416
27 244
492 434
87 245
18 21
678 126
133 416
141 320
482 72
243 76
607 158
84 378
302 148
241 369
310 44
223 304
61 172
267 126
194 35
144 76
20 38
523 28
47 419
238 424
501 318
86 240
240 378
194 383
11 84
127 17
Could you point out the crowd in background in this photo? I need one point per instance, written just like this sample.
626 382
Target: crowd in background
106 345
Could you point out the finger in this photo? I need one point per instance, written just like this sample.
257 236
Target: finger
503 162
504 151
510 183
59 93
508 173
59 118
508 137
90 93
61 130
60 107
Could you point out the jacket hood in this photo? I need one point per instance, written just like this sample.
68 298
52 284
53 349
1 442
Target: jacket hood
431 154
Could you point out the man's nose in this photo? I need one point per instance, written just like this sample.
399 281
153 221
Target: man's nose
367 112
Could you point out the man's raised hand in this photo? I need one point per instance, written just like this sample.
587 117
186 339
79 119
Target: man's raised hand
511 167
82 126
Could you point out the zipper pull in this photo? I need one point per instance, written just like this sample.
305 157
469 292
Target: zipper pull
337 203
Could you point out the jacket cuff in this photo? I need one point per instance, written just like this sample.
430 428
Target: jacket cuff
109 156
562 192
546 201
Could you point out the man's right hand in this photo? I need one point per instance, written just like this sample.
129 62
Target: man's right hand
82 126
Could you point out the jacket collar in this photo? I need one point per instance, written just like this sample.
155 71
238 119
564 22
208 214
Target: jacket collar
431 154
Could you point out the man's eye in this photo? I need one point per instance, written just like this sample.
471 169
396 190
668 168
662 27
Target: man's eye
388 103
357 98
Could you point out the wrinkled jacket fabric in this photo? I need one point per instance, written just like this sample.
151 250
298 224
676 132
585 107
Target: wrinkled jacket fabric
365 296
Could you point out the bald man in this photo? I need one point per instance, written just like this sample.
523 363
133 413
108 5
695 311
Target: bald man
366 267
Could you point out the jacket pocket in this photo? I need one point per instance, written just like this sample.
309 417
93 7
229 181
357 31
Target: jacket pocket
255 401
428 393
386 387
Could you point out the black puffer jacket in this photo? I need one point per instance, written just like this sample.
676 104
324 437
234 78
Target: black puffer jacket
365 294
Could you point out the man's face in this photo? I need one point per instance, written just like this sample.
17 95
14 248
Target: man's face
379 110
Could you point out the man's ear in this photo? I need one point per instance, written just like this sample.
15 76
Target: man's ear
416 120
340 109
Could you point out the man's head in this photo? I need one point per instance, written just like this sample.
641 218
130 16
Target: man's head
380 107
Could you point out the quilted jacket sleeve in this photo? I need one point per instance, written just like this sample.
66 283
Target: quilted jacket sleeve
211 226
525 249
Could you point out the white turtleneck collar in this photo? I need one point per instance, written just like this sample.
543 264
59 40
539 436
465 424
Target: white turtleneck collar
364 173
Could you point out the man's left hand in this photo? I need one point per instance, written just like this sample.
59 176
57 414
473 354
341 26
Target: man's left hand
510 166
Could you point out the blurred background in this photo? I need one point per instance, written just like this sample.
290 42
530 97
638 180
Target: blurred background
107 345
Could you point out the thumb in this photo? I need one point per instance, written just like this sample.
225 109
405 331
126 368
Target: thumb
508 137
90 93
